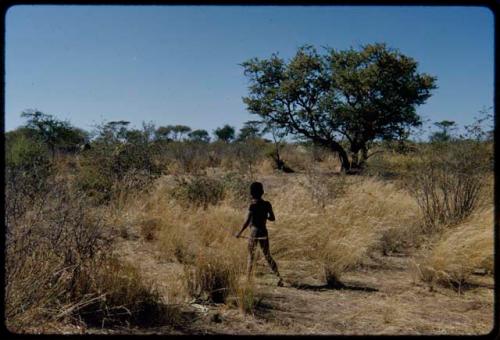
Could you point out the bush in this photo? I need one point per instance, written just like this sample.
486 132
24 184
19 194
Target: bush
28 171
189 157
124 299
199 191
447 182
60 268
107 170
50 251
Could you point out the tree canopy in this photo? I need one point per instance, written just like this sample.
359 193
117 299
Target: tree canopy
225 133
250 130
353 95
199 135
51 131
444 135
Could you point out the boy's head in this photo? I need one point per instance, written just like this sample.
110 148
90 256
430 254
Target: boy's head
256 190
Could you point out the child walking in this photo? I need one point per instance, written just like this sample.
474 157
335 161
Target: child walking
259 212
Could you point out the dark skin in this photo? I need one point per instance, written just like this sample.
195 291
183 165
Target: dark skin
259 212
270 217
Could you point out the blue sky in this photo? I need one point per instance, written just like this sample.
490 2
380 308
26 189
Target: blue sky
180 64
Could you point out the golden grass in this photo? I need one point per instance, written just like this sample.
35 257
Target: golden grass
334 238
460 251
328 239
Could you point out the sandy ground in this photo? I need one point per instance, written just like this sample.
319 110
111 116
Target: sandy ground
381 297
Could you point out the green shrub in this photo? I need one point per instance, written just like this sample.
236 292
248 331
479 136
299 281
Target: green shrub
108 170
199 190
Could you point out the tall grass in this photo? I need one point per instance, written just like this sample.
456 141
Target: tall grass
335 237
460 251
60 268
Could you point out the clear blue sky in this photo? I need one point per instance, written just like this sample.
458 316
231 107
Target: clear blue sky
180 64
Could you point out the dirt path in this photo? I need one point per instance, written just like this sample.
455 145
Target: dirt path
381 298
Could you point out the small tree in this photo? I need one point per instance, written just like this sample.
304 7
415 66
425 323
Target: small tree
278 134
444 135
112 132
225 133
482 127
163 133
179 130
199 135
356 95
250 130
171 132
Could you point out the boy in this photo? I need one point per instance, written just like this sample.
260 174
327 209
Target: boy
259 212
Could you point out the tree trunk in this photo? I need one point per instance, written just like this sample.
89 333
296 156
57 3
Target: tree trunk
344 160
364 156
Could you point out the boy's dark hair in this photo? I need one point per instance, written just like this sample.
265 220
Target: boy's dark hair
256 190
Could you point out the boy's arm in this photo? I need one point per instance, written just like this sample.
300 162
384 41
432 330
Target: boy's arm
271 213
245 225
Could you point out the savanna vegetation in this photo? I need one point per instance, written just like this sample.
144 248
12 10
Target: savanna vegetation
127 229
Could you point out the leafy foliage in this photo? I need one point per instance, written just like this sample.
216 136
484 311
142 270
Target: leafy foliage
356 95
225 133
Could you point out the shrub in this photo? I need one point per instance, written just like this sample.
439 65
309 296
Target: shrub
60 268
189 157
49 251
198 191
447 182
400 239
108 170
28 171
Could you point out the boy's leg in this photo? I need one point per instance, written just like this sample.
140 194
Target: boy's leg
251 255
264 244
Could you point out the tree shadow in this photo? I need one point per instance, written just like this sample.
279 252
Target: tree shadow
336 286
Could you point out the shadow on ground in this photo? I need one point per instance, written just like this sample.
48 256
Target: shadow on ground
336 286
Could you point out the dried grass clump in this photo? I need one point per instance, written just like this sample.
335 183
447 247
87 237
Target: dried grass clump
213 276
460 251
123 298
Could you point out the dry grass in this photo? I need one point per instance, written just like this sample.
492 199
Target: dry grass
334 238
60 268
460 251
328 223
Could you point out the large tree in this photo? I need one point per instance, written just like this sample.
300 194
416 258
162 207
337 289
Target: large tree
352 95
